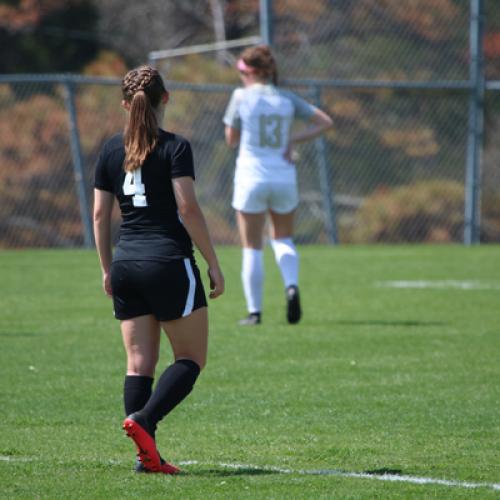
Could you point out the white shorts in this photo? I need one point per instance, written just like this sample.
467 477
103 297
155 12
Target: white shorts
258 197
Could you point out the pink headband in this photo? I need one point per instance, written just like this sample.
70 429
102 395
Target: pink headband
243 66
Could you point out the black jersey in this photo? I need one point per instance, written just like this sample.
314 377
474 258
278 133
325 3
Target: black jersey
151 228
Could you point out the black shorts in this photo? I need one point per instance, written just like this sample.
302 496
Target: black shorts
167 290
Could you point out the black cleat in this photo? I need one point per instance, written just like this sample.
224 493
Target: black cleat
293 310
139 466
251 319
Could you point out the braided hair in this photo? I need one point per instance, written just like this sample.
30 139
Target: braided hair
143 89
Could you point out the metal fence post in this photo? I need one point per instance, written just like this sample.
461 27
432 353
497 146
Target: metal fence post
472 215
266 21
76 153
325 179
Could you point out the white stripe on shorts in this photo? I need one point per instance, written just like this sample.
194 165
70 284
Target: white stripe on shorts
192 287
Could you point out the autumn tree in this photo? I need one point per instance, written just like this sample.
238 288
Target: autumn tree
49 36
134 29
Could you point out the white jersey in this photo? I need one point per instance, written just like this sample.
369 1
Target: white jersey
264 115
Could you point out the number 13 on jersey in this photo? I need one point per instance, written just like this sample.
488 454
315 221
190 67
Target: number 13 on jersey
133 186
270 130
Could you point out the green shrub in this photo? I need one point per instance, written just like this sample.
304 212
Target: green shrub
490 216
429 211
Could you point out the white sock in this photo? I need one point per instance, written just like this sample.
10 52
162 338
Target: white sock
252 276
287 259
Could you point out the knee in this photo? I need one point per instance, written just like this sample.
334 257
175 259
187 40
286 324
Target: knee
202 363
200 360
142 365
143 371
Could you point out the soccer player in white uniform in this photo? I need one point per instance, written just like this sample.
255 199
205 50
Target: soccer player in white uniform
259 118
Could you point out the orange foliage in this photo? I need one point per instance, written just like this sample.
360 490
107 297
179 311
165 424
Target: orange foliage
33 132
492 45
347 108
40 205
425 16
27 14
24 15
106 63
415 142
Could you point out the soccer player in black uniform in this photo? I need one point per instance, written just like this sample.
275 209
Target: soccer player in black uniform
152 276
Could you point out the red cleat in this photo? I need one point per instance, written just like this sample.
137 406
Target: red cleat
167 468
146 446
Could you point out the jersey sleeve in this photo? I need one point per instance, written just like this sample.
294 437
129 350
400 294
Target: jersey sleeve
101 179
182 160
303 109
232 114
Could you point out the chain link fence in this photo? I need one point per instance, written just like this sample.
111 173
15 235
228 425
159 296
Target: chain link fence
392 169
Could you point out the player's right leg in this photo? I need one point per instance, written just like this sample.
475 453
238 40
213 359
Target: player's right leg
189 340
188 336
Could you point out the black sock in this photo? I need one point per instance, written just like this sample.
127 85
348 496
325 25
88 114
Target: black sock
136 392
175 383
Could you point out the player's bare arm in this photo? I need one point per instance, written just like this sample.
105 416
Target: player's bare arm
103 206
196 226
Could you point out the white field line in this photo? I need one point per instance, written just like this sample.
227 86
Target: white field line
313 472
439 284
358 475
9 458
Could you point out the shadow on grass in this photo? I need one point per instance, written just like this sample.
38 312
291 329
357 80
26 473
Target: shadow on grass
242 471
257 471
384 471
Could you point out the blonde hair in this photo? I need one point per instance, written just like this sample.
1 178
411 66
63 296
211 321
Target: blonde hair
143 89
262 61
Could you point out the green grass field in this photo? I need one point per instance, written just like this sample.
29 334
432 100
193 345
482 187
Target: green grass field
375 379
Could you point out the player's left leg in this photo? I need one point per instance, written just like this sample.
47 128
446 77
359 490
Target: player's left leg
287 258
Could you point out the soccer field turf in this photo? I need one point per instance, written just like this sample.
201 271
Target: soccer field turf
394 368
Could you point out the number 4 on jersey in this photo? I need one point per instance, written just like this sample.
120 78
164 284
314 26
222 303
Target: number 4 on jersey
133 186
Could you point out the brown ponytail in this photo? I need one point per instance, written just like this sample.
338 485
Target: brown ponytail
143 89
